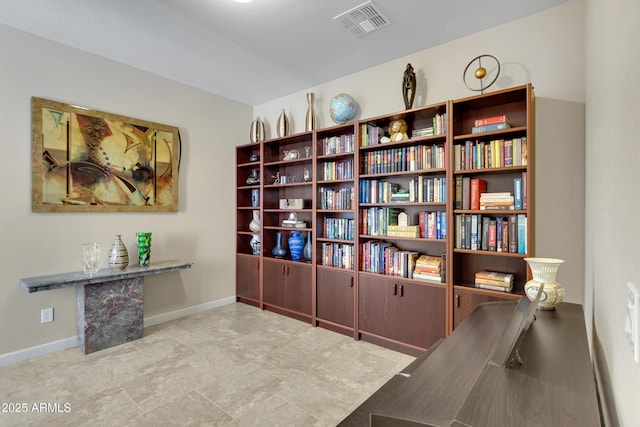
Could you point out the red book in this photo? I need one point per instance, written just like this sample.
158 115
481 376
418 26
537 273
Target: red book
478 186
492 235
491 120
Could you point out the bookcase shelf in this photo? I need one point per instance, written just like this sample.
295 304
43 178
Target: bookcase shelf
348 179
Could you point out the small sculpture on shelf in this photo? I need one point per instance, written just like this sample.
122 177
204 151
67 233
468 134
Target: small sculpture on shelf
408 86
398 130
254 157
254 178
255 244
306 176
291 154
276 178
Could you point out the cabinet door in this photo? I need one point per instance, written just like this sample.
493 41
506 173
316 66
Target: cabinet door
374 305
298 288
418 313
464 302
334 296
248 276
273 283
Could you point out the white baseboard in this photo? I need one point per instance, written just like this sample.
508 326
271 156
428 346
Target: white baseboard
39 350
172 315
63 344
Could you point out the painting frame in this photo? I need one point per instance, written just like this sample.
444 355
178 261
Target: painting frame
86 160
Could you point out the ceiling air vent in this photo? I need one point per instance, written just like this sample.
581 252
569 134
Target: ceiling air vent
362 19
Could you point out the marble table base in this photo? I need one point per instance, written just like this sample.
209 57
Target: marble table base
110 313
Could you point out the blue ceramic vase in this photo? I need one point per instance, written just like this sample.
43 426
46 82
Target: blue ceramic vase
278 251
296 243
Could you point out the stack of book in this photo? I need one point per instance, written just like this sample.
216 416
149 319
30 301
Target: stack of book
497 201
488 124
401 196
294 223
429 267
495 281
419 133
403 231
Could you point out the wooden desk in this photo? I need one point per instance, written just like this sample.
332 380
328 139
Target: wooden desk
453 385
110 302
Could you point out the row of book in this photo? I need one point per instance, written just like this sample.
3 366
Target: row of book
338 228
497 153
338 144
375 221
332 171
338 255
330 198
384 258
496 281
403 159
489 233
422 189
384 222
471 193
370 134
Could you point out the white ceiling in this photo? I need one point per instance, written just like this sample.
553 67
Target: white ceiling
258 51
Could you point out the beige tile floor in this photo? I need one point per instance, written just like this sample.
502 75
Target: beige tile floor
234 366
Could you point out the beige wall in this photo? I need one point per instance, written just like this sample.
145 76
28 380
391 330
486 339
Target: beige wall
612 203
38 244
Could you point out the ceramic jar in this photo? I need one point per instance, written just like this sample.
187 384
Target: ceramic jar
296 243
119 256
544 272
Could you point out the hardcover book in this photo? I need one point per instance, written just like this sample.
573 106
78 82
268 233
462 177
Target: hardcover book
491 120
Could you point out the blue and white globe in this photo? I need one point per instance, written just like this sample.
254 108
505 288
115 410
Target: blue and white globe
343 108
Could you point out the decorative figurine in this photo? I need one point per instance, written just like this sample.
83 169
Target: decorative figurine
291 154
398 130
254 178
276 178
307 175
409 87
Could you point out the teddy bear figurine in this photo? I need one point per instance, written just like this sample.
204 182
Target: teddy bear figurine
398 130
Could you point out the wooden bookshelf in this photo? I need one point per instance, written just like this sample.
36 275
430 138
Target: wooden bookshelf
336 289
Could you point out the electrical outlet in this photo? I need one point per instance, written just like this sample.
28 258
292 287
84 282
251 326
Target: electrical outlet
632 322
46 315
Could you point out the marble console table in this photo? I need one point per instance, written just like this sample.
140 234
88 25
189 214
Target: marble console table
110 302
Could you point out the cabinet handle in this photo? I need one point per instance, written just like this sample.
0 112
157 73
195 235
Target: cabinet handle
457 300
401 290
351 284
284 269
395 289
287 270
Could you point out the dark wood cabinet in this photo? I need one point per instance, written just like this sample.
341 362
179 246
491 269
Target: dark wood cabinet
287 285
248 278
335 296
401 310
465 301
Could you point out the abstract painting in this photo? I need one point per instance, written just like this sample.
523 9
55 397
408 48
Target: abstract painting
85 160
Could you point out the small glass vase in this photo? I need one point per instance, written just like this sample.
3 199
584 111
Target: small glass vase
296 243
119 256
544 272
279 251
306 251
